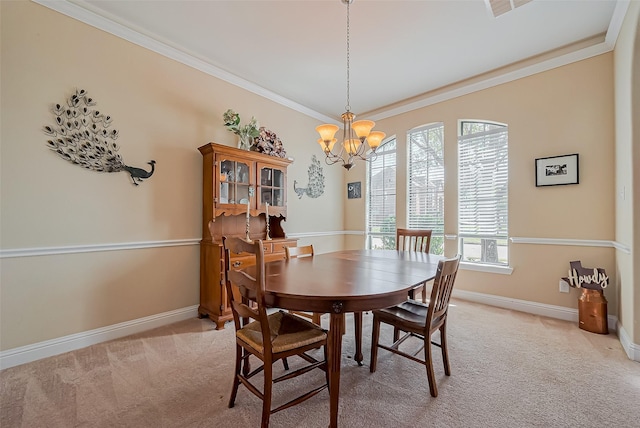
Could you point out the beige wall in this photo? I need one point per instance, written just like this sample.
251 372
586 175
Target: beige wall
164 111
627 96
566 110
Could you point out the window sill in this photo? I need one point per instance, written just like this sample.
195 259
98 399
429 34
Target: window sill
502 270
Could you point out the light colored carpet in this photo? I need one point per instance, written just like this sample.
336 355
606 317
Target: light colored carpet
509 369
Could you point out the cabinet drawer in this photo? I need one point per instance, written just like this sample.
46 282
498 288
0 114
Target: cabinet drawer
268 247
242 262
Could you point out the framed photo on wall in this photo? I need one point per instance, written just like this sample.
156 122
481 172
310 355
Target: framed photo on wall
557 170
354 190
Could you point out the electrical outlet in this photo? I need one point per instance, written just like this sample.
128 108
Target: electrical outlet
564 286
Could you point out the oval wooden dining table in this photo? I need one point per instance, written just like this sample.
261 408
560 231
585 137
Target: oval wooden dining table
345 281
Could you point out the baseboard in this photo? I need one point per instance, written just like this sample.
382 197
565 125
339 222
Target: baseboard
632 349
551 311
49 348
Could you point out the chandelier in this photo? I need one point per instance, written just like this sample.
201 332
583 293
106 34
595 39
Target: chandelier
357 136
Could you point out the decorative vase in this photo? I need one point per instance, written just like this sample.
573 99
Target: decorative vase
592 311
245 142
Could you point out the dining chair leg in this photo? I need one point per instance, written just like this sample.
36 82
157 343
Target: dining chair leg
285 364
375 337
236 381
246 367
315 318
429 363
266 392
326 369
445 351
396 334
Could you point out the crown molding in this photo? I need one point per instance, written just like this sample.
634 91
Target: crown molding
88 17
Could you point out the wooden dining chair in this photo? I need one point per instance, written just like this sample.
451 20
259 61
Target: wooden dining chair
301 251
293 253
415 240
269 337
417 319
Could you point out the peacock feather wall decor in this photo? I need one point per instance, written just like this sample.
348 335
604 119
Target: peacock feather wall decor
81 135
315 188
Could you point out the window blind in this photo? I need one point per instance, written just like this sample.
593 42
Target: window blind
483 181
381 193
426 178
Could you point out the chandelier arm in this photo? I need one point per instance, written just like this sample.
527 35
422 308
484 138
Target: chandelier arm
373 155
331 159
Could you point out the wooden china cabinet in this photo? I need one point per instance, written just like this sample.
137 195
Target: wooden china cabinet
238 184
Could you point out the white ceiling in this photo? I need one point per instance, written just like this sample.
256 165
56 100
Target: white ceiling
295 51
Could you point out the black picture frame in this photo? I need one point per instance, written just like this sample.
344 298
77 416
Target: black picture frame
354 190
557 170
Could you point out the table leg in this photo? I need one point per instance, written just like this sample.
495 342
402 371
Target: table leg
357 321
334 342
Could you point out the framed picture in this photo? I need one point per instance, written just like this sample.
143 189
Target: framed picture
354 190
557 170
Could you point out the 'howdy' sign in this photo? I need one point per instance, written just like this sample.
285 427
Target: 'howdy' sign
580 277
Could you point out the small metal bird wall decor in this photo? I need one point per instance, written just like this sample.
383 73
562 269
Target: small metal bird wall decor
82 136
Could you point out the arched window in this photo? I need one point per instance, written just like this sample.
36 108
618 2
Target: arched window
483 173
381 197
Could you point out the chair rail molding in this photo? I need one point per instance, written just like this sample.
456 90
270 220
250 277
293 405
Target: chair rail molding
572 242
299 235
72 249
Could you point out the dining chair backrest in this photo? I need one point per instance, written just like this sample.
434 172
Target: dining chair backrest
299 252
271 337
413 240
303 251
250 289
419 320
441 293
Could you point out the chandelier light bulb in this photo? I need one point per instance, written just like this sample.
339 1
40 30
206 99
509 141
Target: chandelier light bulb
352 146
362 128
327 131
375 139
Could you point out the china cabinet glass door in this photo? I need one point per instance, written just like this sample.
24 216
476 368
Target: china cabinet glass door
272 186
235 180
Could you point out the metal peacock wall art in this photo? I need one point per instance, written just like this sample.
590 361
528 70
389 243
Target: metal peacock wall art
81 135
315 187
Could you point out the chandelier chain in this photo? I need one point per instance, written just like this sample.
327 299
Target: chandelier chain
348 106
357 136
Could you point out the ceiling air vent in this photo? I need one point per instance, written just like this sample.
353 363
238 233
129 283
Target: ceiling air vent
499 7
